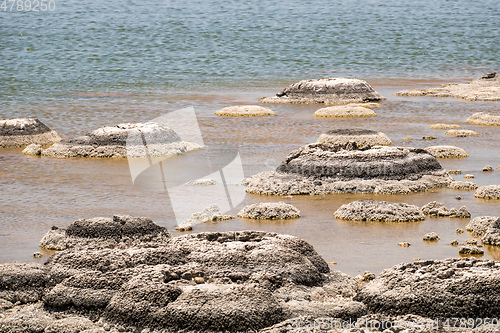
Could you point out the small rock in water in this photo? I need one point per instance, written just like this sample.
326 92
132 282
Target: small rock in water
37 255
458 198
431 237
488 76
460 231
184 227
488 192
344 111
454 172
447 152
404 244
461 133
485 118
407 138
470 250
471 241
488 168
244 111
33 149
469 176
203 182
383 211
445 126
454 242
462 185
438 209
270 211
429 138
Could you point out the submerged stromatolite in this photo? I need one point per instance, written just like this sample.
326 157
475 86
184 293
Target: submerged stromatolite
383 211
362 137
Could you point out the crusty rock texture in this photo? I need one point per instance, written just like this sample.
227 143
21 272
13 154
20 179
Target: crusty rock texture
431 237
319 168
470 250
270 211
344 111
492 234
124 140
447 152
461 132
462 185
244 111
488 192
371 210
438 209
483 89
447 288
326 91
479 225
21 132
33 149
444 126
361 137
485 118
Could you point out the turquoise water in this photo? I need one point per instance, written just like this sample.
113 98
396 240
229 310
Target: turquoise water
203 45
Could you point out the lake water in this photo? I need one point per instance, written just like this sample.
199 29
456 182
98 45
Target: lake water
90 64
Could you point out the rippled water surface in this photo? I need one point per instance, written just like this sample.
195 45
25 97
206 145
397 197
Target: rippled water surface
90 64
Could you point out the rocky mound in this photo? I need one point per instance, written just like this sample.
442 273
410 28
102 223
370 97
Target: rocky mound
462 185
344 111
326 91
492 234
488 192
485 118
479 225
124 140
486 88
438 209
244 111
444 126
447 152
361 137
319 168
20 132
461 133
269 211
371 210
447 288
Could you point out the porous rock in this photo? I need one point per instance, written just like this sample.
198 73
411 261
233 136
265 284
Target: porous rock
439 289
490 118
319 168
431 237
461 132
478 225
483 89
21 132
33 149
344 111
447 152
470 250
269 211
326 91
438 209
371 210
492 234
444 126
488 192
244 111
361 137
462 185
22 282
123 140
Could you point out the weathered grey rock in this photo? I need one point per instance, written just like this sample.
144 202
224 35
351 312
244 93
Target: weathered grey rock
22 282
461 132
438 209
101 232
445 126
318 168
123 140
447 288
30 319
487 168
361 137
470 250
479 225
447 152
326 91
371 210
244 111
33 149
269 211
344 111
431 237
462 185
20 132
203 182
490 118
488 192
483 89
492 234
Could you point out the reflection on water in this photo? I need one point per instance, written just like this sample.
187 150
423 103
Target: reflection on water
38 192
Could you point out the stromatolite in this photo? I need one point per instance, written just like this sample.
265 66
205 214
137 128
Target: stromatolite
20 132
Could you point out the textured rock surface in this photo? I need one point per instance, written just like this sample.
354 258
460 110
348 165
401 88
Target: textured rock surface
485 118
487 168
431 237
371 210
344 111
437 209
461 132
470 250
488 192
457 287
444 126
123 140
326 91
270 211
319 168
462 185
244 111
361 137
479 225
33 149
483 89
447 152
492 234
20 132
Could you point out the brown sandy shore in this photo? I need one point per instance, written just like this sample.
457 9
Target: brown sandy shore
127 274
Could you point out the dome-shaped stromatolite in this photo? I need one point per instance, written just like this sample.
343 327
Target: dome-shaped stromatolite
269 211
480 224
447 152
20 132
319 168
485 118
383 211
488 192
123 140
361 137
244 111
461 132
445 126
326 91
344 111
